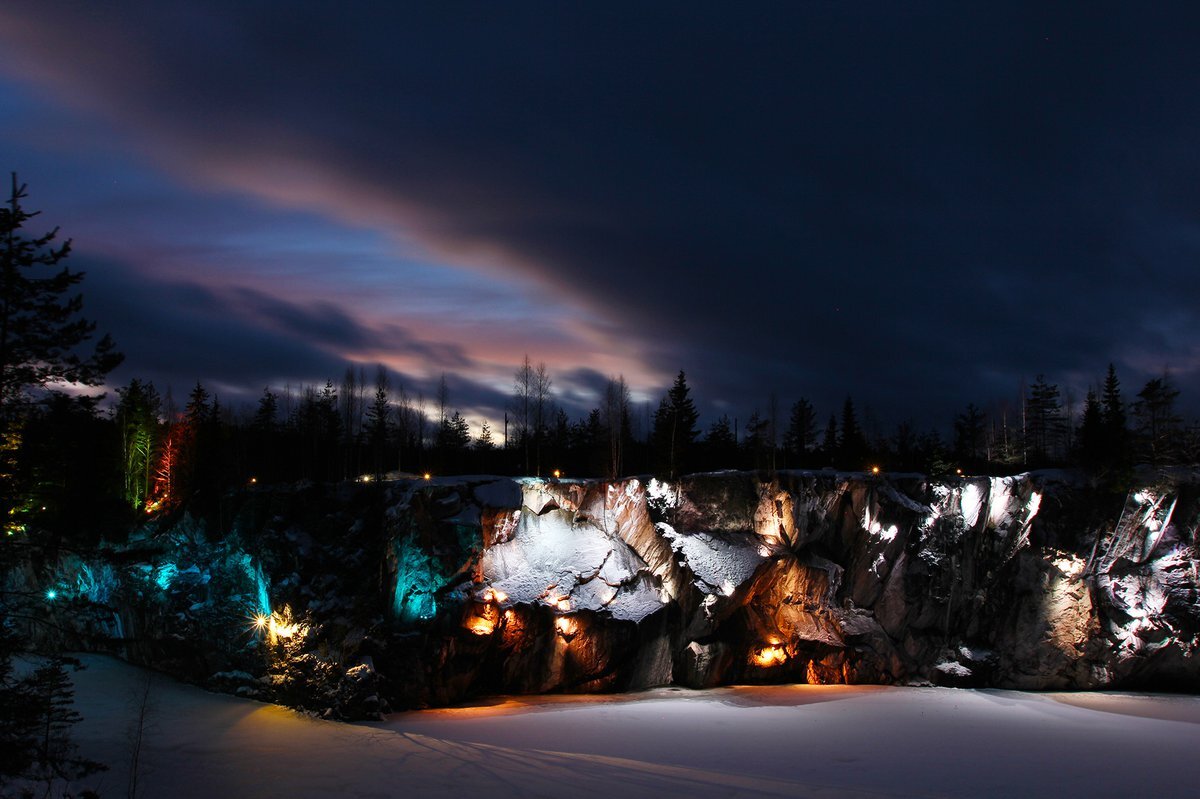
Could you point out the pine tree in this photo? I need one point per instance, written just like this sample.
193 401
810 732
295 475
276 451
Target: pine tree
829 442
266 412
40 328
852 445
1044 422
378 416
720 444
55 757
485 442
18 712
1091 433
1158 427
756 442
41 331
801 433
137 418
675 427
1116 445
970 428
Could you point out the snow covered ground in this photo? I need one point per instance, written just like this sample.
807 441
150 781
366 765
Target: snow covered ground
805 741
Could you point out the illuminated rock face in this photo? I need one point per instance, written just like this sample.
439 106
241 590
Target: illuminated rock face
428 592
824 577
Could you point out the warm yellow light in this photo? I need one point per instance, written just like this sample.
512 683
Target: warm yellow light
567 627
253 480
563 604
284 630
280 625
557 474
480 625
874 470
771 655
427 475
499 596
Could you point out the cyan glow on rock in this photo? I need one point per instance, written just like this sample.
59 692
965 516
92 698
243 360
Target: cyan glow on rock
165 574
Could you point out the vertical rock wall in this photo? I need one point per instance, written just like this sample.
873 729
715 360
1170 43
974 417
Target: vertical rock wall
350 599
820 577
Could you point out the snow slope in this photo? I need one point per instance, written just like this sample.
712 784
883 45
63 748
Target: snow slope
804 741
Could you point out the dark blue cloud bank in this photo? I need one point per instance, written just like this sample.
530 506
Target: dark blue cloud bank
920 205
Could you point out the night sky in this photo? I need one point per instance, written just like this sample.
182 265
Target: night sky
919 205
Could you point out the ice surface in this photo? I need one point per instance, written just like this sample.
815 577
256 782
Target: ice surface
856 742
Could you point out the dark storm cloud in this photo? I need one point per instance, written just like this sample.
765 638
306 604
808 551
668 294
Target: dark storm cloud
176 333
331 325
917 204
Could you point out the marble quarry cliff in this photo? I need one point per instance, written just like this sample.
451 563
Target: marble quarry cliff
354 599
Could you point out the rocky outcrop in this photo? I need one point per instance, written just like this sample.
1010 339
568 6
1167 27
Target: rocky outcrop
428 592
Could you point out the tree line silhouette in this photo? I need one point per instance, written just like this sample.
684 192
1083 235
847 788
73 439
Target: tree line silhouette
64 456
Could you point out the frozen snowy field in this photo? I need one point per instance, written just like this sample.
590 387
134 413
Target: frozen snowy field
827 741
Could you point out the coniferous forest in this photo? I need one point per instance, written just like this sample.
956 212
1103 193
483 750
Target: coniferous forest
81 456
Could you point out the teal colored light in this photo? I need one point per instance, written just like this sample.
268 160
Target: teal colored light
259 588
165 574
51 594
418 577
261 593
96 582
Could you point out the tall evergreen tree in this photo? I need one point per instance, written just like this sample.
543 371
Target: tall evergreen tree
1158 428
801 433
41 330
485 442
675 430
56 759
719 444
378 421
1116 448
40 327
137 419
852 445
829 441
755 443
1091 433
970 428
1044 422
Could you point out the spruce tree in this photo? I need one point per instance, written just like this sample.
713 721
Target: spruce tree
42 334
1044 422
801 433
852 445
40 327
675 427
1091 433
137 418
378 416
55 756
1115 449
970 428
1158 427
